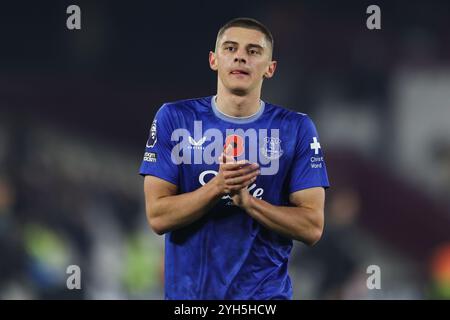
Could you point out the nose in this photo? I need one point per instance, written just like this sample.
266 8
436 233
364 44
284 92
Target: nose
239 60
240 57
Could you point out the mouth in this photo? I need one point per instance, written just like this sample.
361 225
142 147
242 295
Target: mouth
240 72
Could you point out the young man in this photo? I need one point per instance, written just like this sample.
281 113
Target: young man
231 180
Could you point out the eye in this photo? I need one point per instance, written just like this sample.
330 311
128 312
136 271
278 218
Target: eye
231 49
253 51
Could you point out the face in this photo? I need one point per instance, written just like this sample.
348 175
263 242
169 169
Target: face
242 59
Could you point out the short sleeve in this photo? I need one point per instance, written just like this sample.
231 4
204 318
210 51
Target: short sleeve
157 157
308 167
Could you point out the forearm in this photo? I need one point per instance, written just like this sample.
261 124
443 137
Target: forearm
300 223
172 212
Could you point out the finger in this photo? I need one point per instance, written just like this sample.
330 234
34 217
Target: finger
236 188
224 158
242 179
229 159
228 166
246 184
229 150
226 153
232 162
243 170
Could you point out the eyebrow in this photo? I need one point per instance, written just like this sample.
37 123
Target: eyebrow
250 45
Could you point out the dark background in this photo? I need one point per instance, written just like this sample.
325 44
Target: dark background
76 107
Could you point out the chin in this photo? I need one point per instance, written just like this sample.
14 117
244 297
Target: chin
239 88
239 91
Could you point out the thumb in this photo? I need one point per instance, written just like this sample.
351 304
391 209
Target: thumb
229 150
227 154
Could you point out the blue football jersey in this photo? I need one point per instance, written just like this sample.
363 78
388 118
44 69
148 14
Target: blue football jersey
226 254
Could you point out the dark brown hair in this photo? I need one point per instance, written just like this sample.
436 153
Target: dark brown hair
248 23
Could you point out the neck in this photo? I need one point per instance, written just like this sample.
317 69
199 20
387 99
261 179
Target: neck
238 105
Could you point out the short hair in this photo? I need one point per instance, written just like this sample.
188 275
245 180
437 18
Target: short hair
247 23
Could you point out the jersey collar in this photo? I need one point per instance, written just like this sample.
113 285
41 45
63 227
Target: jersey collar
232 119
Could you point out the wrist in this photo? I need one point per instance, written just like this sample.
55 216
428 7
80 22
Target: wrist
247 202
215 187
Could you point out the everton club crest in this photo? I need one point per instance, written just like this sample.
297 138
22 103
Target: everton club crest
272 148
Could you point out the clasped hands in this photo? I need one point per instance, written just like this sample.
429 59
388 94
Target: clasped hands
234 177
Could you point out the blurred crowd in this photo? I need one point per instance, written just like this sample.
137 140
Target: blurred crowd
65 201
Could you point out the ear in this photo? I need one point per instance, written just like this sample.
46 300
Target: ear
212 61
270 70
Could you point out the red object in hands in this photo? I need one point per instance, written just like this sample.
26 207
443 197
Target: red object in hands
237 143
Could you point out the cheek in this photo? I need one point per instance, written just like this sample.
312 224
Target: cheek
221 65
259 70
221 71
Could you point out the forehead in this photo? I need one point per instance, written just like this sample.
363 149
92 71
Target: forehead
244 36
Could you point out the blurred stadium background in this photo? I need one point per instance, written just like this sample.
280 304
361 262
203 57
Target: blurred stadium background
76 107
